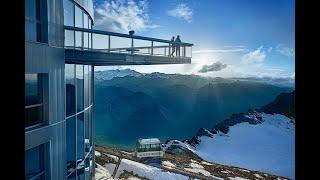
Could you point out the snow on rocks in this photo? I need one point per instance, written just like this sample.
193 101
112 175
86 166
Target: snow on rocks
258 176
237 178
197 168
102 173
206 163
97 153
179 143
115 158
147 171
168 164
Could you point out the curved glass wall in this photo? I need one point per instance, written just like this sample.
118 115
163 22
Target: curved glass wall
79 85
76 17
79 89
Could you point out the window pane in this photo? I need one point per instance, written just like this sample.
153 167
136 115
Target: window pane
71 144
30 11
30 30
34 161
85 40
78 17
90 46
33 99
70 89
86 86
79 81
38 6
33 116
33 89
85 21
69 38
80 138
78 39
68 13
39 33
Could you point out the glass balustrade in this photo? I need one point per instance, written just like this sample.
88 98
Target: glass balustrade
123 43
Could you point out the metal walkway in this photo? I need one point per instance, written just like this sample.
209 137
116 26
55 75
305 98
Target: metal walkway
102 48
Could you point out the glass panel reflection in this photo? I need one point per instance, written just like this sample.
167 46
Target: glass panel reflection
34 162
78 17
80 138
86 86
79 89
71 144
69 38
68 8
33 99
70 89
33 89
78 39
33 116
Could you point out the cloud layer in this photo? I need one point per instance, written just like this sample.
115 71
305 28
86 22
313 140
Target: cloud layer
254 57
286 51
122 16
217 66
181 11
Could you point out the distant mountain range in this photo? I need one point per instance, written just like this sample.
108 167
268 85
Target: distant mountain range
169 105
109 74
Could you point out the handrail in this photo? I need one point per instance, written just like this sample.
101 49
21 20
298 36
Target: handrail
118 49
124 35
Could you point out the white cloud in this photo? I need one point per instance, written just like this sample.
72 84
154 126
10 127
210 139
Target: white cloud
217 66
286 51
270 49
254 57
181 11
122 16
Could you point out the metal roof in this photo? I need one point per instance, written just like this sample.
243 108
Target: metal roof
149 141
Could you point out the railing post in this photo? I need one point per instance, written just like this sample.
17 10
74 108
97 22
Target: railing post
109 43
165 49
169 49
184 51
151 48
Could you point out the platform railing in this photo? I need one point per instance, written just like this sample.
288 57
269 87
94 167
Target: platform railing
111 42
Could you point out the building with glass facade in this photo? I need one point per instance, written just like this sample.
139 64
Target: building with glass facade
61 51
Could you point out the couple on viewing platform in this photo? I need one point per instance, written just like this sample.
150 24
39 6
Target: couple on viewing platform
175 45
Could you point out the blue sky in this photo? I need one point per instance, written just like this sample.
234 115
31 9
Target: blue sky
248 37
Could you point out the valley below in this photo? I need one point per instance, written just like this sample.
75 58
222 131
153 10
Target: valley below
211 128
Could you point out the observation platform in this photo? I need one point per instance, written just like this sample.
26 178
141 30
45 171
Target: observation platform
103 48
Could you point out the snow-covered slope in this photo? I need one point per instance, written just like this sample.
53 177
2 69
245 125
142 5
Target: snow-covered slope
147 171
267 147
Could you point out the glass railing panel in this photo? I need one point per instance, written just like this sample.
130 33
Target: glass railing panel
160 49
188 51
100 42
142 47
120 44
